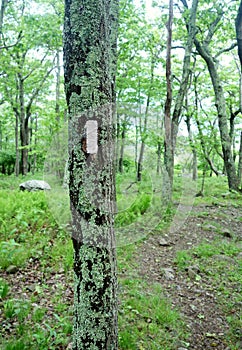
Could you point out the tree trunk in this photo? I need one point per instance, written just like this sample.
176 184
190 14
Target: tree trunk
57 88
35 142
191 29
144 131
158 165
193 148
240 159
24 128
121 154
3 7
204 150
168 152
140 161
16 145
90 33
136 144
220 103
118 132
1 137
238 27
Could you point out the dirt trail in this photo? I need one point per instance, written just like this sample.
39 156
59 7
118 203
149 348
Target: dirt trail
191 291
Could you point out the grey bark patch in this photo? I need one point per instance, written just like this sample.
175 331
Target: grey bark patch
34 185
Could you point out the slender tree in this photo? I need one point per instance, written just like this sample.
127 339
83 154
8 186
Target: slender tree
168 175
90 33
204 51
172 122
238 27
3 7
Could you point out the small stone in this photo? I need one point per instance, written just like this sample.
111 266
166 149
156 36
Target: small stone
192 271
193 307
30 288
192 274
168 273
227 233
163 243
12 269
226 194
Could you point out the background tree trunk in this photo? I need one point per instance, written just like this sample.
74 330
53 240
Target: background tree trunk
3 7
222 114
240 159
191 30
90 33
16 170
238 27
143 131
168 154
122 145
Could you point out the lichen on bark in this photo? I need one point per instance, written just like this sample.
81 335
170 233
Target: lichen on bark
89 61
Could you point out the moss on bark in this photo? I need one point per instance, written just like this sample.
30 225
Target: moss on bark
90 34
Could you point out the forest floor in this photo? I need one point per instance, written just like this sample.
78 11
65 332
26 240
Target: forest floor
198 268
195 281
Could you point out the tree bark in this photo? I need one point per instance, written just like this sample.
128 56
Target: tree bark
3 8
193 147
24 128
143 137
168 152
143 131
122 145
57 87
16 169
90 33
158 164
240 159
238 27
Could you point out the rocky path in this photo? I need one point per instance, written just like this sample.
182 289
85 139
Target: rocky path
191 290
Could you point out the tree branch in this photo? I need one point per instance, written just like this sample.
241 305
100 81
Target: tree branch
35 94
212 28
232 46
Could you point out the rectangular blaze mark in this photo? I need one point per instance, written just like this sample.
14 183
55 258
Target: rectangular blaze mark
92 136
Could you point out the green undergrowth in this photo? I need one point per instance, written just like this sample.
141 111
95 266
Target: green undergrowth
146 319
43 320
216 193
27 228
219 266
37 317
133 198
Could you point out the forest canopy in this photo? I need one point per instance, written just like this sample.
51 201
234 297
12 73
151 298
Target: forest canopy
200 131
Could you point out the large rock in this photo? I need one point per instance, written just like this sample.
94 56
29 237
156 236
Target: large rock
34 185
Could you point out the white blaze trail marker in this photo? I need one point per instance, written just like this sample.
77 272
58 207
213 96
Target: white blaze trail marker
92 136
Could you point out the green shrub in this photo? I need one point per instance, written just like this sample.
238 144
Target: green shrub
11 253
4 288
